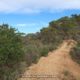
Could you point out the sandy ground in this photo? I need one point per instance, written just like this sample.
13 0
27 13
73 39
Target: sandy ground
58 65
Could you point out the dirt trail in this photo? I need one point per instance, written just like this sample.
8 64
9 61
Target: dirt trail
58 65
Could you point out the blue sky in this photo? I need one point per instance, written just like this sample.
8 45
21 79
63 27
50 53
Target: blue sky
29 16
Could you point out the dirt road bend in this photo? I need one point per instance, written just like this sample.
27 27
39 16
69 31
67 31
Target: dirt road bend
58 65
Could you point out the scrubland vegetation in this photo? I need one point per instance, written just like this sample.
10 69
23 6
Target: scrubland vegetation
18 51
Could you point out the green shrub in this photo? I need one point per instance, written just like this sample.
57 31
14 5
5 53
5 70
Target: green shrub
11 51
44 51
75 53
31 54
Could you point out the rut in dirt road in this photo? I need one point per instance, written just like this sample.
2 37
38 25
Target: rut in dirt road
58 65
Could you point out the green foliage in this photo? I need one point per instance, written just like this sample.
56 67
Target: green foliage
44 51
11 53
75 53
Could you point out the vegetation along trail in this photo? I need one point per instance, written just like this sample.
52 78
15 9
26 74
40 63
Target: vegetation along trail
58 65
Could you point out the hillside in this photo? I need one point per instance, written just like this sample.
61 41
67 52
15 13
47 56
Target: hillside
19 50
58 65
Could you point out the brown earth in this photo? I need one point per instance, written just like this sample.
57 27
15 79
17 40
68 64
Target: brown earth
58 65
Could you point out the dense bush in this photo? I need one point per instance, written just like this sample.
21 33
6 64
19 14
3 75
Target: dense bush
37 45
75 53
11 53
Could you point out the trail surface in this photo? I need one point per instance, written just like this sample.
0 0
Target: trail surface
58 65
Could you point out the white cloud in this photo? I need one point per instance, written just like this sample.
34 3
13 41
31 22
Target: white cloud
35 6
26 24
31 24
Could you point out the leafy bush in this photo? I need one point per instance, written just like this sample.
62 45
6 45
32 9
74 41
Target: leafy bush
11 52
44 51
75 53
